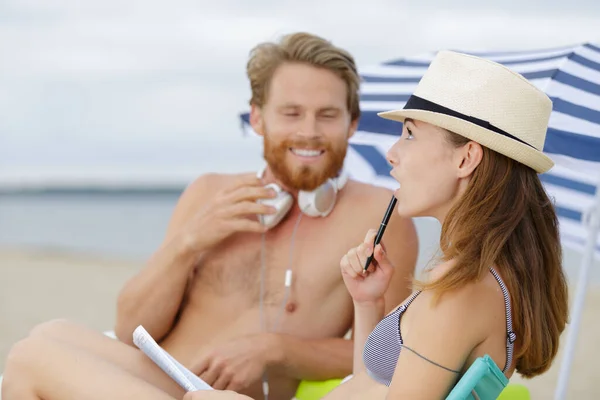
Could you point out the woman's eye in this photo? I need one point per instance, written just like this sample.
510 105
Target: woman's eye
409 134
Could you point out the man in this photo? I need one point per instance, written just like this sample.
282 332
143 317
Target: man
251 308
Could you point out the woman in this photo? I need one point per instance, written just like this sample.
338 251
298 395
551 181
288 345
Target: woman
469 155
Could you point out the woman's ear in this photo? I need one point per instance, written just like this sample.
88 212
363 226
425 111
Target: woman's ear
256 120
469 157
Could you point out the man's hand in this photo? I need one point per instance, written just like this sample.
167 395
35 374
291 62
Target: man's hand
239 363
234 209
214 395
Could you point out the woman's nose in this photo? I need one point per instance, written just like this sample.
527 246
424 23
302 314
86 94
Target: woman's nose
392 154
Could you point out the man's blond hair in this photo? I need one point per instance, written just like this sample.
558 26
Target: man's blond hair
305 48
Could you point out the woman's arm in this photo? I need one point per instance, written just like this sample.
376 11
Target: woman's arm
368 290
366 318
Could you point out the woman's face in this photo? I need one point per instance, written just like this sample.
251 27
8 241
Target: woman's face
429 168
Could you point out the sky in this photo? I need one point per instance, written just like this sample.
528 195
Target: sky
132 77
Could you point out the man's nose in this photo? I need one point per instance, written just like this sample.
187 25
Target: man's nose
308 128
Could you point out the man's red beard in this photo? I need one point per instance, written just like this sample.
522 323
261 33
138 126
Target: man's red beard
307 177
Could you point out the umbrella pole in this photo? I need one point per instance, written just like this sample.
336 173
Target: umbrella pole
581 291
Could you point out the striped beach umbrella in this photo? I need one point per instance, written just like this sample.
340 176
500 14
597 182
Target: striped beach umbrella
570 76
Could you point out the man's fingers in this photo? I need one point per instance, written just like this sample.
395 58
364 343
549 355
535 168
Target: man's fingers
209 376
222 382
252 193
235 385
248 208
200 367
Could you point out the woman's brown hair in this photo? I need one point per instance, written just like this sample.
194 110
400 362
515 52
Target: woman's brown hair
506 220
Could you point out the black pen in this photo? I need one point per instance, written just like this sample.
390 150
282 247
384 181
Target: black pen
386 218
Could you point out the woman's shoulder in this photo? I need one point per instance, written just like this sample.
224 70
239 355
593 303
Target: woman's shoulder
487 285
472 305
447 327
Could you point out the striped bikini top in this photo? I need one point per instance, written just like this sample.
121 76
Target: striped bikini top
383 345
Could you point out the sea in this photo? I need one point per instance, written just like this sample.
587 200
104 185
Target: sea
122 213
108 199
120 224
129 225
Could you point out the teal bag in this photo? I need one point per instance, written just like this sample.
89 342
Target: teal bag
482 381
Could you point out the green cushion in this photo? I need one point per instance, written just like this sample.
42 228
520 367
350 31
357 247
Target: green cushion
315 390
515 391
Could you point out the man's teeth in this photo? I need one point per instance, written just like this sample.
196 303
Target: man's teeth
306 153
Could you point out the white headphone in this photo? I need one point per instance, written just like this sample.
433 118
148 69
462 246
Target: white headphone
316 203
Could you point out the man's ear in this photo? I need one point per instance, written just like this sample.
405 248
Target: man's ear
256 119
353 127
469 157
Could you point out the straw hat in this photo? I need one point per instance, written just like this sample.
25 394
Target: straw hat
485 102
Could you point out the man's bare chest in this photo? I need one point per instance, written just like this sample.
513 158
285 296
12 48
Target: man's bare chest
248 264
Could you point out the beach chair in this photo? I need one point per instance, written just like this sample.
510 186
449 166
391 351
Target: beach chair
482 381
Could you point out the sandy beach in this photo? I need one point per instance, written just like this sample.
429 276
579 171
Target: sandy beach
39 286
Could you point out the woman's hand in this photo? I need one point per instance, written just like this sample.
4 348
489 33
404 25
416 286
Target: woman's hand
369 286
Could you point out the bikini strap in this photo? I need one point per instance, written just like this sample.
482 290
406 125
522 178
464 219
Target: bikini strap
511 336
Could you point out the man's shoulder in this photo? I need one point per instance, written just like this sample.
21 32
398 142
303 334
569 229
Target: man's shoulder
370 202
365 202
366 193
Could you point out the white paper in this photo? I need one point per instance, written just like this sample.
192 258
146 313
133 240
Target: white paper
180 374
